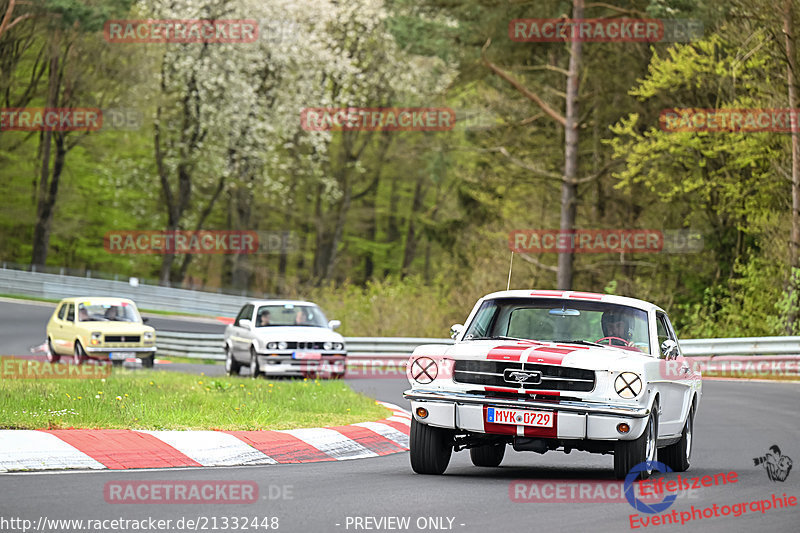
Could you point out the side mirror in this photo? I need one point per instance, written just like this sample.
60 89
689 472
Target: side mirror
145 320
455 330
245 323
334 324
669 349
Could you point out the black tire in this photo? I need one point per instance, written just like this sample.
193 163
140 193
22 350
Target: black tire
629 453
255 370
52 356
147 362
678 456
232 366
78 355
430 448
490 455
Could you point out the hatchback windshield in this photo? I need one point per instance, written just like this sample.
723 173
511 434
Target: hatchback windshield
116 311
290 315
561 321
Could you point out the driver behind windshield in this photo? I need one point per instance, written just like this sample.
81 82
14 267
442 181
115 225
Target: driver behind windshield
617 324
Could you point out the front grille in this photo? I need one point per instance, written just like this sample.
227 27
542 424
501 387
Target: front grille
304 345
122 338
555 378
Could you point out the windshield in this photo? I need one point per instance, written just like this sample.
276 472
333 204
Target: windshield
107 312
562 321
290 315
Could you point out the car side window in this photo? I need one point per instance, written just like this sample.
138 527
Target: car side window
244 314
62 311
71 313
663 331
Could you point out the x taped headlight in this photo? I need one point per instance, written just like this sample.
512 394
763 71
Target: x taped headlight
628 385
424 370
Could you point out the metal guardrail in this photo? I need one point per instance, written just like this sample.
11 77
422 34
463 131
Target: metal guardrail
156 297
210 346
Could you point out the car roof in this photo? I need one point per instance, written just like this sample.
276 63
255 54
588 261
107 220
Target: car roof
575 295
96 299
279 302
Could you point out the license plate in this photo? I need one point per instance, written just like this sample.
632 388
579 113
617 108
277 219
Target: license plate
308 356
120 356
517 417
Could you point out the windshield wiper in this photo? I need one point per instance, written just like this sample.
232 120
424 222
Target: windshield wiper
579 341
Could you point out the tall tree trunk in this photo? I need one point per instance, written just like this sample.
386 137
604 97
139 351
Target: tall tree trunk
47 188
791 78
411 234
568 186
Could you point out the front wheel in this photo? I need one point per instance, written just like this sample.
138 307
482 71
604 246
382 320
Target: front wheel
430 448
52 356
147 362
78 355
629 453
678 456
255 370
490 455
232 366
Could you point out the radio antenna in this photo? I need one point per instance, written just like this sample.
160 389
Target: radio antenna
510 266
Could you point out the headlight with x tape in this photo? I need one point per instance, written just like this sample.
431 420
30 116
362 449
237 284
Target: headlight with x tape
423 370
628 385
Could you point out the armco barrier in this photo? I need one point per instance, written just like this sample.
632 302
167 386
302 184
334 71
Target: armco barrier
210 346
156 297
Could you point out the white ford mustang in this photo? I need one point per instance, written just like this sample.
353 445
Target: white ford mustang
284 337
547 370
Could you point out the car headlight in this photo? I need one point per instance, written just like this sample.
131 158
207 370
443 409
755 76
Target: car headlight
148 335
282 345
628 385
338 346
97 337
272 345
327 346
423 370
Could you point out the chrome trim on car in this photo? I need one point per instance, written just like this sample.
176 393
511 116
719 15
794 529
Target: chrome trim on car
121 349
593 408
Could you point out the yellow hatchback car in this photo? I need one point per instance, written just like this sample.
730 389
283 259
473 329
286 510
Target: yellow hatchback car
99 328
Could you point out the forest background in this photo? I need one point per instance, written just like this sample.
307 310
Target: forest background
398 233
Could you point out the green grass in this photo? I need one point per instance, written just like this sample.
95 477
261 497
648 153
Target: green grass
172 400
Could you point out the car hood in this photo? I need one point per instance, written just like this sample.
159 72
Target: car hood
565 354
114 327
297 333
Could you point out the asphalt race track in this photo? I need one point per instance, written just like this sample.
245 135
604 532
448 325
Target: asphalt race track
736 423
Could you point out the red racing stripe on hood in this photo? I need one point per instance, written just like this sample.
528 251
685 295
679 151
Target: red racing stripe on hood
548 355
506 353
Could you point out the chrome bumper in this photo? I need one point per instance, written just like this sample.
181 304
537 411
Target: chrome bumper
138 349
577 407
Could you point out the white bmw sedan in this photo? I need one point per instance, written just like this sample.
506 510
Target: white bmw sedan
284 337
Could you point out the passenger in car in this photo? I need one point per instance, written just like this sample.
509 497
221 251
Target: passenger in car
263 319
